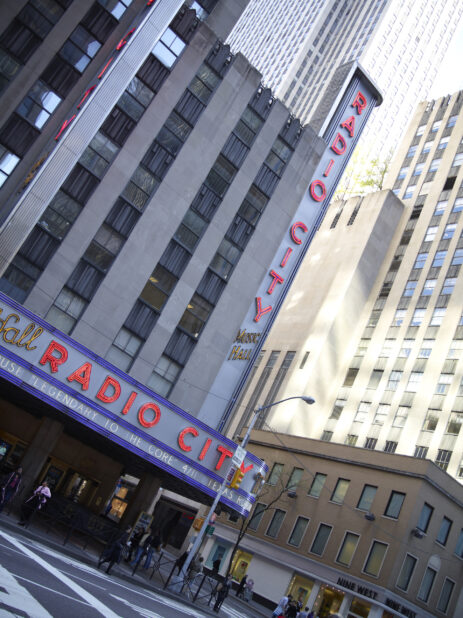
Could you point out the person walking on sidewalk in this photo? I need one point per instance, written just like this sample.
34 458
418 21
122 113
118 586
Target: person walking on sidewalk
35 503
222 592
153 543
10 487
241 585
281 607
113 552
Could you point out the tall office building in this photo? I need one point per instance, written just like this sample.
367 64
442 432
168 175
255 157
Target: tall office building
143 169
378 339
297 44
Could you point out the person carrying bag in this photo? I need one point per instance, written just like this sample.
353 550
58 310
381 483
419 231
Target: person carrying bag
36 502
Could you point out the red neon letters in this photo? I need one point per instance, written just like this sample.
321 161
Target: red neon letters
317 191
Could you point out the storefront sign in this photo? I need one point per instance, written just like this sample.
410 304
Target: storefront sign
372 594
52 366
343 126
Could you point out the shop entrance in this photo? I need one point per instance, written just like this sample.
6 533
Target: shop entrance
328 601
300 588
173 521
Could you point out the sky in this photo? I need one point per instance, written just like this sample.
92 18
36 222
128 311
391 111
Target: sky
450 78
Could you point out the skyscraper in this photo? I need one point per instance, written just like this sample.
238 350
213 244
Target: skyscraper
298 44
387 372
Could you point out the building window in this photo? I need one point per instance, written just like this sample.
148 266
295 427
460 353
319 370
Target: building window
458 205
362 412
66 310
375 558
399 317
402 173
409 288
8 161
449 285
430 233
381 414
414 381
275 474
442 387
437 316
427 146
433 168
421 452
425 188
417 317
425 517
275 524
418 169
445 595
338 408
168 48
443 143
406 572
347 549
370 443
411 152
435 126
449 230
295 478
394 379
390 446
426 585
401 416
458 160
164 376
394 505
39 103
351 439
459 545
424 352
454 424
326 436
124 349
366 498
444 531
340 491
443 458
298 531
317 485
420 130
350 376
430 422
256 517
409 192
439 259
321 539
420 260
428 287
452 121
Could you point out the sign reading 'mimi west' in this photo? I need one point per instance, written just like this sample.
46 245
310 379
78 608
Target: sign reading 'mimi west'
71 378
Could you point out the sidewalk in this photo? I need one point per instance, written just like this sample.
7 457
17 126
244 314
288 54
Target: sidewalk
89 555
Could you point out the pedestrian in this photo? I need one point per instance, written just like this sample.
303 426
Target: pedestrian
216 566
152 543
291 610
181 561
35 502
222 592
241 585
135 542
195 568
248 590
10 487
281 607
113 551
143 546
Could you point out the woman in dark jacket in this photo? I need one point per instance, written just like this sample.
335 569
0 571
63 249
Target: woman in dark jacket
113 552
10 488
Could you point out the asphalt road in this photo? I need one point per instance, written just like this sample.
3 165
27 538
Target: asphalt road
39 582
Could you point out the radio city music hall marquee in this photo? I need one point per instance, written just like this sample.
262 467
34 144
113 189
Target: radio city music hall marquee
71 378
344 123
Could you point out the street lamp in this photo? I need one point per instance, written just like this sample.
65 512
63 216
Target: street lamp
308 400
200 535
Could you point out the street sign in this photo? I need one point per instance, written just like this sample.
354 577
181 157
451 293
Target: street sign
239 455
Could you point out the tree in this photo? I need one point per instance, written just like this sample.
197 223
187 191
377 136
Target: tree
275 494
373 178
